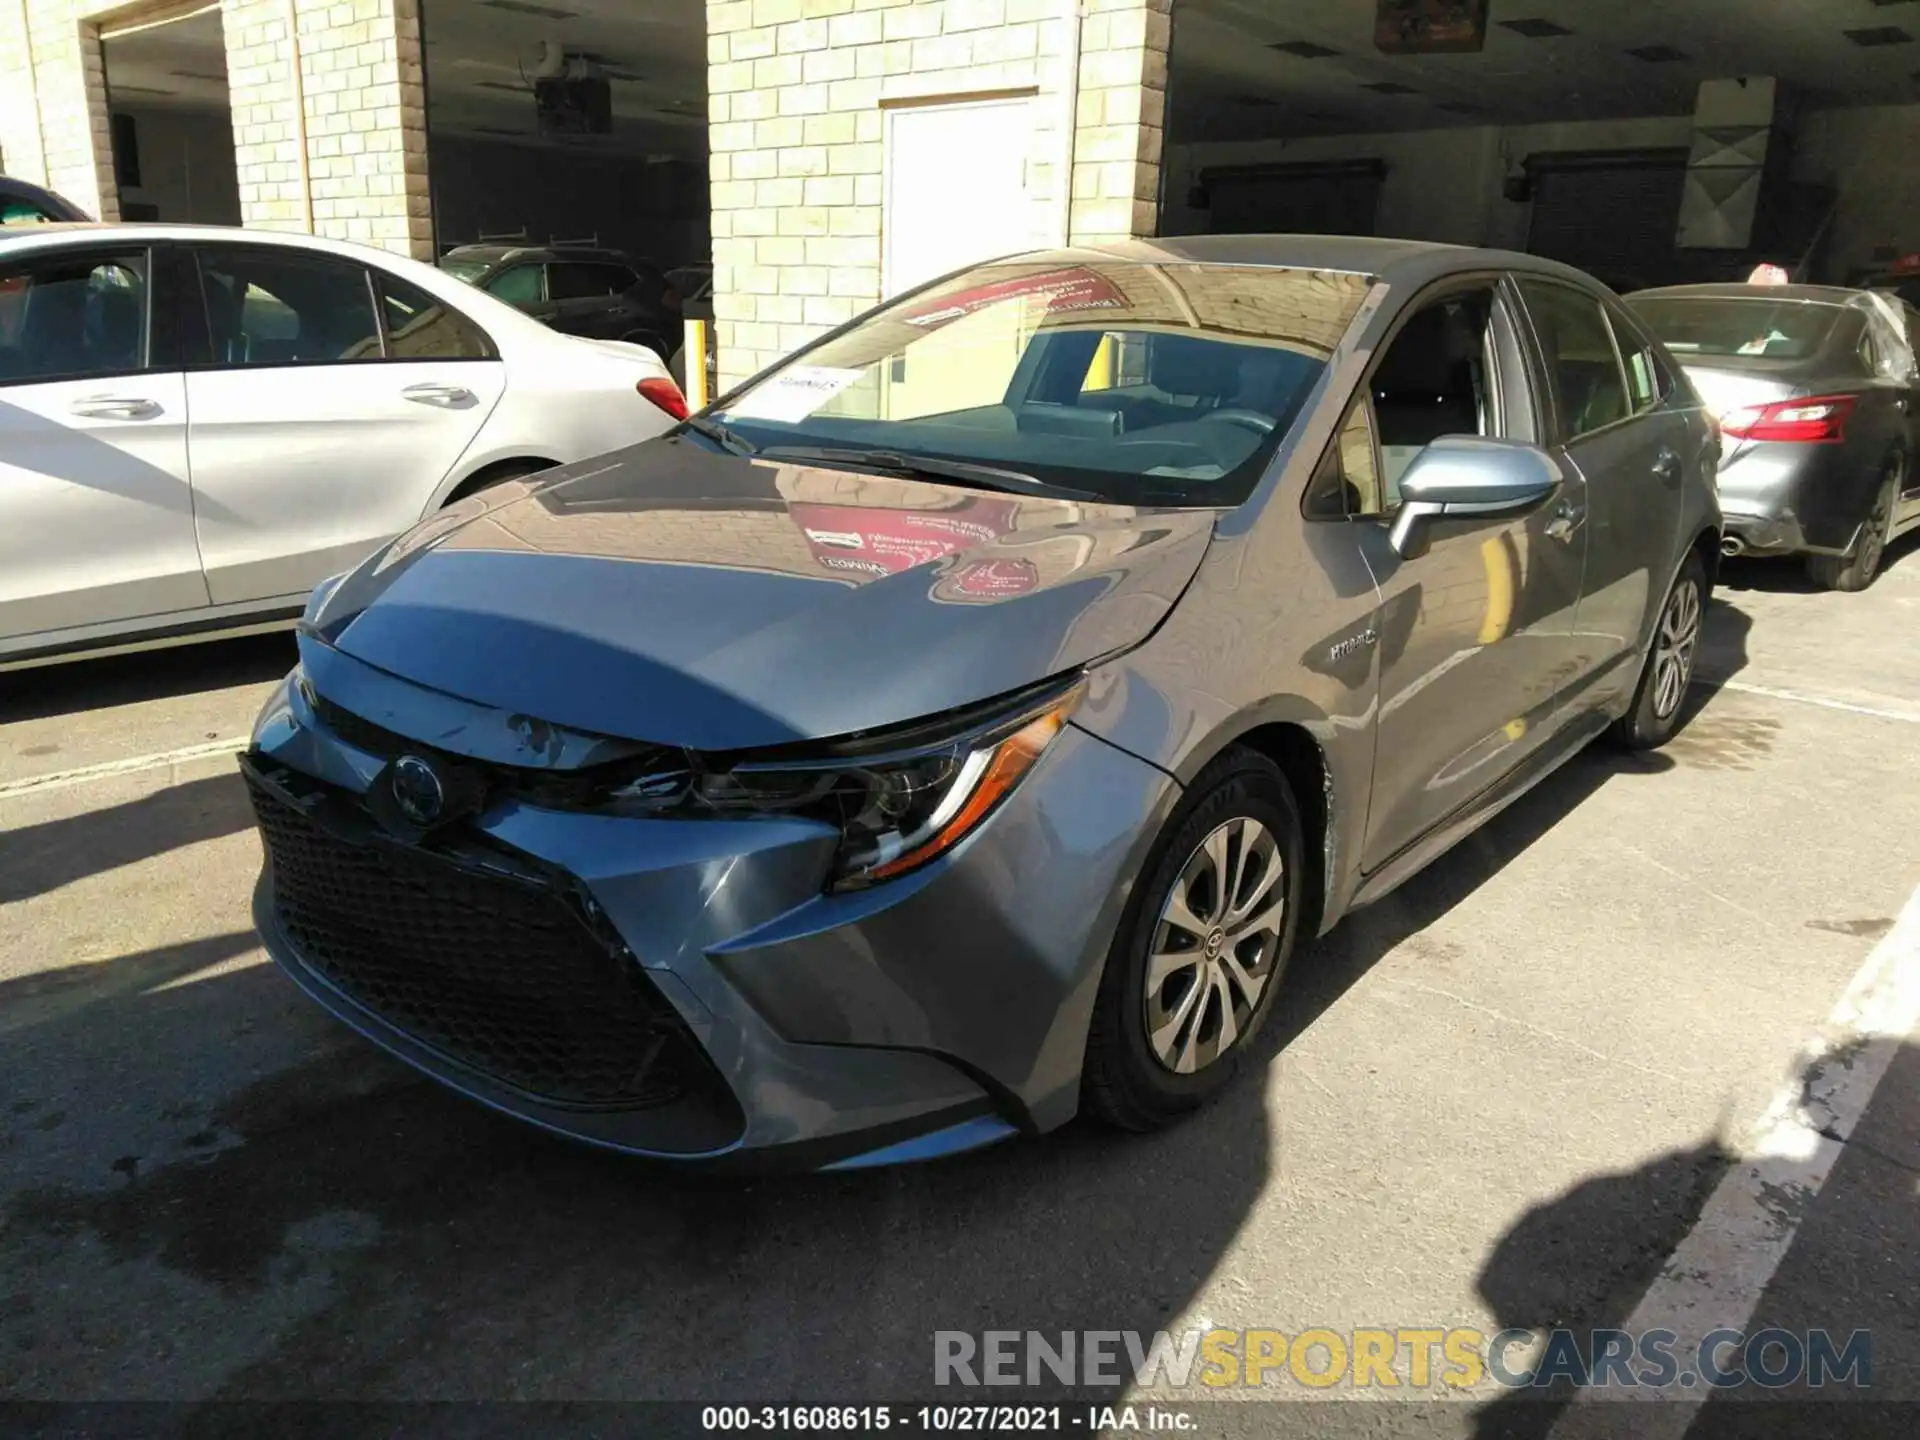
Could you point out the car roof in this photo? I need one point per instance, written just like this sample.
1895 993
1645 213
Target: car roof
1740 290
1395 261
492 254
95 232
44 199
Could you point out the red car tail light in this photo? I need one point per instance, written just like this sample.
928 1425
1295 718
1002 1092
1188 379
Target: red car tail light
664 393
1815 420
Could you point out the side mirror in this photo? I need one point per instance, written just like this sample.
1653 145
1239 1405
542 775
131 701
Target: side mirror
1462 476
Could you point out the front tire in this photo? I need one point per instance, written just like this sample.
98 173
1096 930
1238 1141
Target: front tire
1661 697
1856 570
1199 955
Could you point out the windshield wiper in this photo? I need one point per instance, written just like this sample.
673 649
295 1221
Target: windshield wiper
732 441
900 462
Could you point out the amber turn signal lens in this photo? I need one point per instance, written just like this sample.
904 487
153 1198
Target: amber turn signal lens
1008 761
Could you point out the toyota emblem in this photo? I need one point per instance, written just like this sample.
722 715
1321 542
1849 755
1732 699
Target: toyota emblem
417 790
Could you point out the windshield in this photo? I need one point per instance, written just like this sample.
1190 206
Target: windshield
1769 327
467 270
1141 383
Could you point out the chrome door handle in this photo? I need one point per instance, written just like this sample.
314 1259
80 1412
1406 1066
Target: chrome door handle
114 407
431 394
1566 519
1666 466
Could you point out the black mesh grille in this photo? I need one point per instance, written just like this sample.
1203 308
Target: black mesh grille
499 974
360 733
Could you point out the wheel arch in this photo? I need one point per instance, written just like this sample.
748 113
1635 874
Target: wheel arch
493 470
1292 746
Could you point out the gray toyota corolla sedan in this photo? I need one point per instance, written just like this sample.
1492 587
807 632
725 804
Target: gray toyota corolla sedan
960 725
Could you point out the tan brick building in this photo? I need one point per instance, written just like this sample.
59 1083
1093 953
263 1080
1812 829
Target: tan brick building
328 109
328 112
801 92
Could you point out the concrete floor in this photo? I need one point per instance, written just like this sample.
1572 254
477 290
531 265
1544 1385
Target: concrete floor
1498 1098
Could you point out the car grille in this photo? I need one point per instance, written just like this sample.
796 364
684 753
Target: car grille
499 973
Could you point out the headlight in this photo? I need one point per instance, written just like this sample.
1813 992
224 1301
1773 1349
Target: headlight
899 800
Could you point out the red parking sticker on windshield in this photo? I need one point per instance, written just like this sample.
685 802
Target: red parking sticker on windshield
1070 289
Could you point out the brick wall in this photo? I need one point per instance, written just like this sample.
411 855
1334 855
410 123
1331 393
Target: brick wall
797 91
365 111
53 113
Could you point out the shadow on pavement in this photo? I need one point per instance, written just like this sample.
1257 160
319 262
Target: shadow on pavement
327 1225
1723 649
36 859
1788 576
1585 1259
81 685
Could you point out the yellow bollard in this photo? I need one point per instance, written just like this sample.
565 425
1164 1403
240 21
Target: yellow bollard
694 355
1100 372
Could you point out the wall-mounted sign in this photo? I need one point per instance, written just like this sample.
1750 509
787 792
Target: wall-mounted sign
1430 27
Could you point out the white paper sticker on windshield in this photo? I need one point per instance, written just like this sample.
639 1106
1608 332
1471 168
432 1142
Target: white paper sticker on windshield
793 394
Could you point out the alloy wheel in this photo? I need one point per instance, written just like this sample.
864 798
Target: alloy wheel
1673 647
1214 947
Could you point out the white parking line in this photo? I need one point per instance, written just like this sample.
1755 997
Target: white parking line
1718 1273
1825 702
61 779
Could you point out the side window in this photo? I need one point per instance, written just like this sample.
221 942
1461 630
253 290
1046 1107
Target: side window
273 307
420 327
1347 483
521 286
22 212
66 316
1435 379
1644 387
579 281
1580 357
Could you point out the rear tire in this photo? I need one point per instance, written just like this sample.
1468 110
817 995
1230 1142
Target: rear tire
1174 1022
1661 697
1856 570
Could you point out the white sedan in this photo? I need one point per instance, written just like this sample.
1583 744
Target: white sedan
197 425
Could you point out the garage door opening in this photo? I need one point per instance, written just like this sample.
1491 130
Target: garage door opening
567 144
172 123
1647 144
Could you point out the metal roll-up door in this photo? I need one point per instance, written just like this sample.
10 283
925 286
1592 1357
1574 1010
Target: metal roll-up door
1308 199
1614 213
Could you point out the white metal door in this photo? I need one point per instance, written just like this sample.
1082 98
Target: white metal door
302 471
96 516
956 188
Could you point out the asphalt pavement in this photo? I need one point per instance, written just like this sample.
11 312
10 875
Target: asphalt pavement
1500 1098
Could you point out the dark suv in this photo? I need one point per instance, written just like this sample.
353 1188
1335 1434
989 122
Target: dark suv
576 289
25 204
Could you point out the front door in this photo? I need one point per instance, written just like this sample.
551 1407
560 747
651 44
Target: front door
96 515
336 400
1476 635
1633 449
956 188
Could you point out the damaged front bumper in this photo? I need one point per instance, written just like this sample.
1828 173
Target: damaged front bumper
687 988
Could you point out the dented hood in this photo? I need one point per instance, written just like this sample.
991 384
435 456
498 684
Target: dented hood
670 594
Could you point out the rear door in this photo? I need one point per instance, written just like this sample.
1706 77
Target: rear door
1613 424
96 516
588 298
330 402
